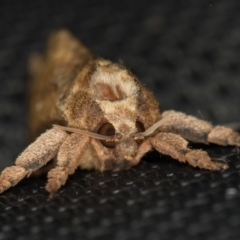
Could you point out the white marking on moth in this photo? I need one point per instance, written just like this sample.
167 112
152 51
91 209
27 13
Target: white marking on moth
108 107
117 80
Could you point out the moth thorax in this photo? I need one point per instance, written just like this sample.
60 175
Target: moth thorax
112 83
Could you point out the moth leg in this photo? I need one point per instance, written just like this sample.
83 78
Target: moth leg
196 130
32 158
145 147
176 147
224 136
68 158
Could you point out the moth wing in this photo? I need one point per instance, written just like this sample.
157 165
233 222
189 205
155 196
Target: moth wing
51 77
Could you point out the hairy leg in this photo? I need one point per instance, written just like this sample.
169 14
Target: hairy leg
145 147
32 158
224 136
196 130
68 158
176 147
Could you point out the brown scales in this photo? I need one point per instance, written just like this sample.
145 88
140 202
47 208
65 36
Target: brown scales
105 92
96 98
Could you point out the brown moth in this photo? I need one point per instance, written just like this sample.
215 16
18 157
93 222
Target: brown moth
106 120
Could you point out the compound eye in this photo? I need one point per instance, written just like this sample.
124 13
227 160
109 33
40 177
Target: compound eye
140 127
107 129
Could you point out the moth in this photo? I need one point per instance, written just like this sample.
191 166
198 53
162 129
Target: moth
95 114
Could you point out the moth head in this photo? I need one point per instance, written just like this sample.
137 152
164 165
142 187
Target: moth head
123 144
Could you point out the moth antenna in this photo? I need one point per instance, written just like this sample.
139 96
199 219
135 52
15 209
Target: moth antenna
85 132
151 129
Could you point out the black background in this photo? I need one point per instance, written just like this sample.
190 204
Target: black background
187 53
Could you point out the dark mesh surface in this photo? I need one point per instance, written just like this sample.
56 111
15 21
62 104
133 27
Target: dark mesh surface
188 54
